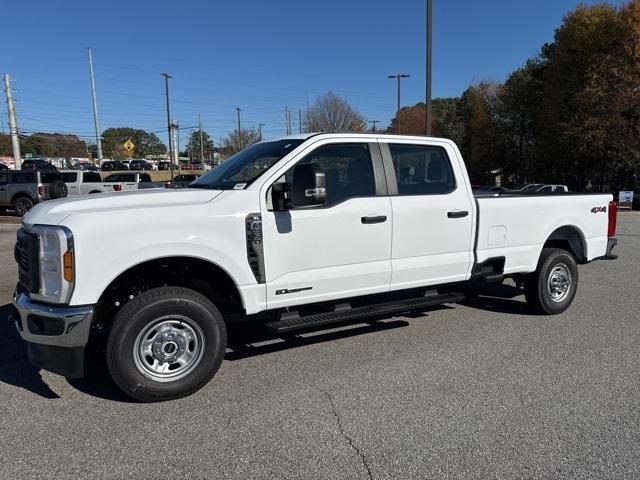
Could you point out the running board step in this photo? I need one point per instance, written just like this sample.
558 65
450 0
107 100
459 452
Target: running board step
292 321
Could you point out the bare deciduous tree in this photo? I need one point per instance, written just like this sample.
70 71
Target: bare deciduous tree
239 140
332 113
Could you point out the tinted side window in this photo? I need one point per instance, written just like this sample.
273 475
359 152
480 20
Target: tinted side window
422 169
145 177
91 177
4 178
347 168
24 177
69 177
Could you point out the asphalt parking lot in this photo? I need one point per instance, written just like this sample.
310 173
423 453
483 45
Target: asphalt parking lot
483 390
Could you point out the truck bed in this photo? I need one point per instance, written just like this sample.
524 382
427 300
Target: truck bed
504 225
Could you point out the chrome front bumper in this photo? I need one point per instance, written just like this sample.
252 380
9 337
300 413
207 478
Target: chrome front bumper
54 325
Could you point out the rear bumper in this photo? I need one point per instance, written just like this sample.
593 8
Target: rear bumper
611 242
56 334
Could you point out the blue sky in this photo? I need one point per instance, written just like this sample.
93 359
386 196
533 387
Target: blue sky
261 56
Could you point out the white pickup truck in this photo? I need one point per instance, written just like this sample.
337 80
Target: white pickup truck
298 233
80 182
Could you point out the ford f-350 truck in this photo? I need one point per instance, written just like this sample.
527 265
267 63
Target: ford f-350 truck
297 233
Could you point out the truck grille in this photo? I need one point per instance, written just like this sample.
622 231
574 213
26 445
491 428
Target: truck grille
26 255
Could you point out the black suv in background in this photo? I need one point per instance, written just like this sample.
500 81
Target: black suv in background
113 165
140 165
37 164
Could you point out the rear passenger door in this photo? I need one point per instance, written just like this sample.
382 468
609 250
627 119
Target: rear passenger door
432 214
71 179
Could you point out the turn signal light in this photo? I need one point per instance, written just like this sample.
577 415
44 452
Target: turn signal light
67 263
117 187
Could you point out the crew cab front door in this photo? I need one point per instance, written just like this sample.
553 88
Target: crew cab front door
336 250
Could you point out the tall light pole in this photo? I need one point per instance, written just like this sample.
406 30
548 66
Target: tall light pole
238 111
398 76
374 122
429 27
260 125
169 125
96 121
201 144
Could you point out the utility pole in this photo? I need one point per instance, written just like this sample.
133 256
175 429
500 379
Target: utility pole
238 111
398 76
96 121
374 122
429 27
201 144
169 124
286 120
260 125
13 124
289 131
300 120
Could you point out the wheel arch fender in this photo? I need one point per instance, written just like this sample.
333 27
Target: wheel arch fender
568 237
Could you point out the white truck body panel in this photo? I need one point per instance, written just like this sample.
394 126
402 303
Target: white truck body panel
327 249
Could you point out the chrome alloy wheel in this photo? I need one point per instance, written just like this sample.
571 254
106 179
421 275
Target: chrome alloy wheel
169 348
559 283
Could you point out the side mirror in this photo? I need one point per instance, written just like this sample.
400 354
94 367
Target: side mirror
281 196
309 185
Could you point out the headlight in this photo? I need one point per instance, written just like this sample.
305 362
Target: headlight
56 261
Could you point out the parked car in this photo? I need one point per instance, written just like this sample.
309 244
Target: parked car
303 232
3 166
133 181
181 181
553 188
21 190
140 165
164 165
113 165
532 187
37 164
84 166
85 182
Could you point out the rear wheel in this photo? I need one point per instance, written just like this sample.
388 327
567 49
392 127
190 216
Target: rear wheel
553 286
58 189
22 205
166 343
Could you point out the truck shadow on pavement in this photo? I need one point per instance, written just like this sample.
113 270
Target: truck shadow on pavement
15 368
498 298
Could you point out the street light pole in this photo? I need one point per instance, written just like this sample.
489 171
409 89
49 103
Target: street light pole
260 125
169 128
429 27
398 76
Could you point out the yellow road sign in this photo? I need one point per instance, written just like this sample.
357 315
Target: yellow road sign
129 145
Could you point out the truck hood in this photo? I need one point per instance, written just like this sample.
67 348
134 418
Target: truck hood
52 212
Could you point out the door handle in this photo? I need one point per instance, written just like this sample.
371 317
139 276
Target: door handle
457 214
373 219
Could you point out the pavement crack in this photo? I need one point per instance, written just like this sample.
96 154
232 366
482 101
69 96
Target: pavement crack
349 440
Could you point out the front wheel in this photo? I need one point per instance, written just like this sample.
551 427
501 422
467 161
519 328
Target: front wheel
553 286
166 343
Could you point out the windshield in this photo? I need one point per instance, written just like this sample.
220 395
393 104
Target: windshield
246 166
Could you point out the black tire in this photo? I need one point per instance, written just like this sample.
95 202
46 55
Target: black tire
58 189
22 205
132 371
546 289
